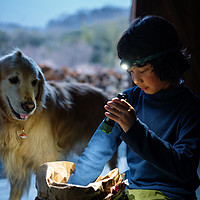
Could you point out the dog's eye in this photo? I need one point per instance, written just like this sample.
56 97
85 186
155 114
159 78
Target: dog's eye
34 83
14 80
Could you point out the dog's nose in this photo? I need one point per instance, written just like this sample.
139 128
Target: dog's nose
28 106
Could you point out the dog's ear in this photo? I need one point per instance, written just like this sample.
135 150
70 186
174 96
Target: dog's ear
10 58
41 94
2 61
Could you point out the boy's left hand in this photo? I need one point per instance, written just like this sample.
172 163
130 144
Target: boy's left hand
122 112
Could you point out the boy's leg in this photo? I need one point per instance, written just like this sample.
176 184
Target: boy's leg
143 195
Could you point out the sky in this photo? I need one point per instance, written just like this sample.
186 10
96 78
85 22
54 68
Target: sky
36 13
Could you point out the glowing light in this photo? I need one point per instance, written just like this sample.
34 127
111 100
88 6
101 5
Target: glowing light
124 66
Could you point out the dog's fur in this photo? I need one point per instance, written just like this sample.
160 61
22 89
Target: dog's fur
55 117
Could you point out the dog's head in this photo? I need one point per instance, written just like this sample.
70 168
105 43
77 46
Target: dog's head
22 86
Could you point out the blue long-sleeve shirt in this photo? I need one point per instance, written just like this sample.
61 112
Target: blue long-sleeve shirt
163 144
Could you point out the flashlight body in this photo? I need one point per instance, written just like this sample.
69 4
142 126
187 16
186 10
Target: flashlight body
107 124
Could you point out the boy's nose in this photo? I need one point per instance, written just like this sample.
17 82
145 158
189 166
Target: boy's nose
136 78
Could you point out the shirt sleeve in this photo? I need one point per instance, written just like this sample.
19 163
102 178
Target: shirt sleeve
99 151
180 159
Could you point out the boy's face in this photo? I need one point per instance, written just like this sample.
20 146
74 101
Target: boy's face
146 79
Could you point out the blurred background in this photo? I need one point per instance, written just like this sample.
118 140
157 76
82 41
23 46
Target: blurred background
76 41
70 40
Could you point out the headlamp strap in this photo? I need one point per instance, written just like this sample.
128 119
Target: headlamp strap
151 57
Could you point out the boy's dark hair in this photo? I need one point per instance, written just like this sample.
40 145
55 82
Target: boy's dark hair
151 35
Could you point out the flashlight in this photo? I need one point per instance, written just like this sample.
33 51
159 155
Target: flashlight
107 124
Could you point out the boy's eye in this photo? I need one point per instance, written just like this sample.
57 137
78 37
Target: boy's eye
143 71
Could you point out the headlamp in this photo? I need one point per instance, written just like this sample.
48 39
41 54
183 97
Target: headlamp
127 64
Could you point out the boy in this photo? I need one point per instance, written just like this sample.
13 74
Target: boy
159 122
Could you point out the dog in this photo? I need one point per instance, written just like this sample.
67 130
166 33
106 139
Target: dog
40 121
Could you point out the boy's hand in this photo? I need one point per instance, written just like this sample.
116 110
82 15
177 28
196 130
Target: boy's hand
122 112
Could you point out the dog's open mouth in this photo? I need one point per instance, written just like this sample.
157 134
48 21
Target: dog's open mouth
17 115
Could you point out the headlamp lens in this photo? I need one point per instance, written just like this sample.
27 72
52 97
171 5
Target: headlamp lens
125 65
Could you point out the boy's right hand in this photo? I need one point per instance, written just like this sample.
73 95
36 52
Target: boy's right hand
122 112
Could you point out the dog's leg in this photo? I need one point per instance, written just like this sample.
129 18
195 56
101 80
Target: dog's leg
18 186
15 193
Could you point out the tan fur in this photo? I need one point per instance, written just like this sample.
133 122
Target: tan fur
64 115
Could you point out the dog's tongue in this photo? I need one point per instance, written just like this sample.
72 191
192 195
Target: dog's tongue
24 116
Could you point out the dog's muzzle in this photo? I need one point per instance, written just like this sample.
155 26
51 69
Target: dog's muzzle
28 107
